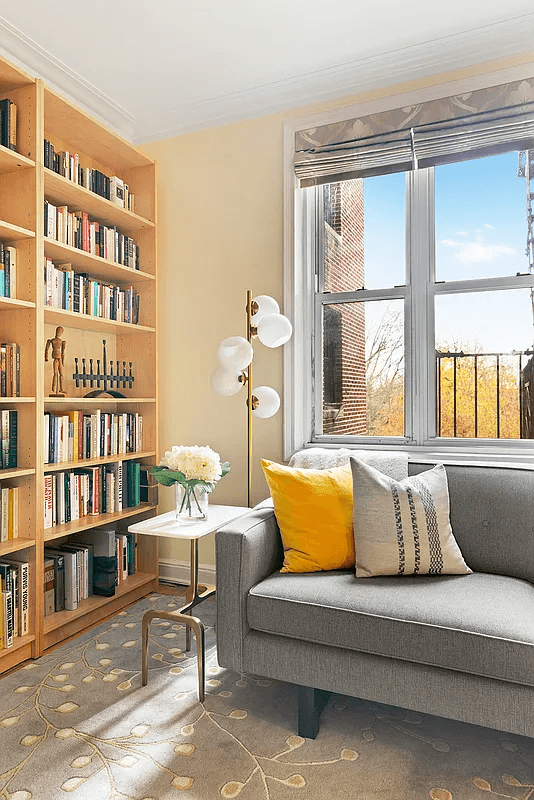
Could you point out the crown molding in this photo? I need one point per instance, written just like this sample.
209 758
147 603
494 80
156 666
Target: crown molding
443 54
423 60
33 58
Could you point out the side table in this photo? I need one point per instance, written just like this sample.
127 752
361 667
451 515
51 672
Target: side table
168 526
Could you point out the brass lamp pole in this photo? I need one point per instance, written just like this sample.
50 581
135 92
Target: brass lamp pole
235 369
252 402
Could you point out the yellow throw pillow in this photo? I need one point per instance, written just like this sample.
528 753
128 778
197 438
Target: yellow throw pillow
313 508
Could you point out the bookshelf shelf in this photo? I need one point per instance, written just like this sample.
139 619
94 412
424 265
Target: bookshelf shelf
87 135
15 473
14 545
61 191
25 184
95 402
20 651
11 161
93 462
12 304
10 400
71 319
14 233
61 624
88 522
97 267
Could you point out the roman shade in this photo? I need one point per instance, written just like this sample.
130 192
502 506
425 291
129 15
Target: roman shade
417 138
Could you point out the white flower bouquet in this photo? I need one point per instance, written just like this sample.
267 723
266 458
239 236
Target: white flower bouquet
196 470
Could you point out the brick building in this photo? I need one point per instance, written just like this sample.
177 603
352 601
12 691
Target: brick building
344 383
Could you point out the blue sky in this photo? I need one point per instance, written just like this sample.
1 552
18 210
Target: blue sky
480 232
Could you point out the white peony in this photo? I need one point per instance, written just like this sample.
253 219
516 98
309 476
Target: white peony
196 463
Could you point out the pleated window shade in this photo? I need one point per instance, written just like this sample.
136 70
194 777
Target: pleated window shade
419 146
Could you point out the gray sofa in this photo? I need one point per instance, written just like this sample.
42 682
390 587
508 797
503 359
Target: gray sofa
457 646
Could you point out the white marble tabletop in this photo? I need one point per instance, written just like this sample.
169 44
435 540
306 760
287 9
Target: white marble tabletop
167 525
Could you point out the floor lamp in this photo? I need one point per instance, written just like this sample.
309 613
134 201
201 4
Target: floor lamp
235 371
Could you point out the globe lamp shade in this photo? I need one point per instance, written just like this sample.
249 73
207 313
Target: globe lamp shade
266 305
225 381
274 330
235 353
268 402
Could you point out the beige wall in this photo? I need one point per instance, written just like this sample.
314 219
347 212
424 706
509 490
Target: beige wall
220 233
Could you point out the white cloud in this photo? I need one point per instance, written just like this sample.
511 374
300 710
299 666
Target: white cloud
487 225
461 233
477 251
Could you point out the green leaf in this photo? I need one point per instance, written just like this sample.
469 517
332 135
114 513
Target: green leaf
225 466
166 476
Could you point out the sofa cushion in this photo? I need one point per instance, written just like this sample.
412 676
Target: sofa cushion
478 623
403 527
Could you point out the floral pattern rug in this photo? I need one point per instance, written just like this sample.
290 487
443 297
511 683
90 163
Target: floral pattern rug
77 723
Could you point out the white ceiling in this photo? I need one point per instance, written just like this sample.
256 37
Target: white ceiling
159 69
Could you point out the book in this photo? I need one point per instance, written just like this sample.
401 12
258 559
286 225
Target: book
48 504
59 577
11 285
71 576
49 587
8 590
7 613
104 559
21 571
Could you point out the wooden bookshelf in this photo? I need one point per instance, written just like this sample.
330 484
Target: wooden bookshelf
25 184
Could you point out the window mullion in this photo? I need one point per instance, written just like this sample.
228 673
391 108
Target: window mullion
421 265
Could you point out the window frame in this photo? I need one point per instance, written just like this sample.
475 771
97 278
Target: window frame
303 301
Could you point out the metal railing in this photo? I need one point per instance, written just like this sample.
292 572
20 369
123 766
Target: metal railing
517 367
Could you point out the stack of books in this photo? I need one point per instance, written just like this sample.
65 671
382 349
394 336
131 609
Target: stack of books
68 165
8 270
77 230
74 435
78 292
14 596
95 562
106 489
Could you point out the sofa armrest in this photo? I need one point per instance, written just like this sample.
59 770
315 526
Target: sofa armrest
247 551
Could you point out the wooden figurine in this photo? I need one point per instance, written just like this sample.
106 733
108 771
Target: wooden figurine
58 346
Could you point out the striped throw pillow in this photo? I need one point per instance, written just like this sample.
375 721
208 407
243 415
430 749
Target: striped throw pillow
403 527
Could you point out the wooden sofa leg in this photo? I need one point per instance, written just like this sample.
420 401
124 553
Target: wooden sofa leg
311 703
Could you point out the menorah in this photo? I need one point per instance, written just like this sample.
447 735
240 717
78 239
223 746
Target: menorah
102 378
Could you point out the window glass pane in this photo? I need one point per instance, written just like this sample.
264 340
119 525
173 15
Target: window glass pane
364 233
363 368
482 222
484 365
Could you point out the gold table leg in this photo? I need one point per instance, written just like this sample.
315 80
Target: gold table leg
194 595
190 622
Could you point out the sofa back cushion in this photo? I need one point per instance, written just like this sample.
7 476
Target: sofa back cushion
492 517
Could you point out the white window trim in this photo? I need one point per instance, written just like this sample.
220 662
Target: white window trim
299 290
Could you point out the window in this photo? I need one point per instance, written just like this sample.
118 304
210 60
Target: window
422 301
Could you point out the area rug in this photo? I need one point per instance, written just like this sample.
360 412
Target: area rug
78 723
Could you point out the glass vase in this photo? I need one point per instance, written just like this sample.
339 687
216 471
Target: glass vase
191 503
